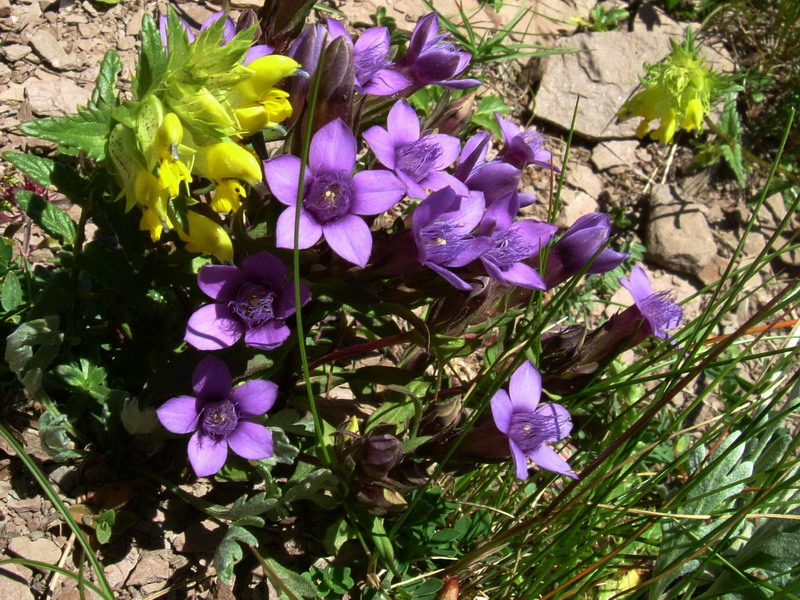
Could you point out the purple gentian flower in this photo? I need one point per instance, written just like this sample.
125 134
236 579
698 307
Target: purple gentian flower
521 148
530 426
658 309
332 198
220 417
511 246
578 245
372 67
417 160
432 58
250 301
443 224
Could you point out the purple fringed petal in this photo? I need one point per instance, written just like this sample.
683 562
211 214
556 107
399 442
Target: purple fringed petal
213 327
638 285
251 441
547 458
403 124
211 379
560 419
525 388
219 282
206 455
309 234
180 414
267 337
254 398
350 238
382 146
375 192
283 175
333 149
385 82
525 276
438 180
264 267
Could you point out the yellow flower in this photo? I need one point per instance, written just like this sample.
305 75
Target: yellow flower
226 196
269 112
172 170
206 237
153 201
227 160
677 92
267 72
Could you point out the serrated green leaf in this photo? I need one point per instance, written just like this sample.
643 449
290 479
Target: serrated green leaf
46 171
314 486
245 507
105 85
86 131
54 437
11 293
152 60
52 219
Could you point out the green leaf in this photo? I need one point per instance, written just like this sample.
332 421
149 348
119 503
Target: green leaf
229 552
104 526
28 365
11 296
45 171
105 85
298 585
314 487
152 60
54 437
245 507
53 220
86 131
484 114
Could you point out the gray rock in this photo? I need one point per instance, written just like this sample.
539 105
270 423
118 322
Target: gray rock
14 582
46 99
678 235
584 178
152 568
23 14
5 9
43 549
15 52
50 49
614 153
575 205
134 25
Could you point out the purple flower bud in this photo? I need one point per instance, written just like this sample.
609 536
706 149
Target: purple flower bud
521 148
378 454
578 245
220 417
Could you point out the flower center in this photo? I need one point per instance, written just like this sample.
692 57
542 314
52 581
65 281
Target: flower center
220 419
442 243
369 61
329 197
253 304
416 159
529 430
661 311
532 138
510 248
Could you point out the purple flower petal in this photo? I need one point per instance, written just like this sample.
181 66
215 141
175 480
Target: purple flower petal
437 180
501 410
385 82
213 327
449 276
267 337
375 192
180 414
206 455
459 84
403 124
382 145
413 189
283 175
333 148
286 305
638 285
256 52
251 441
336 29
219 282
508 128
375 39
547 458
309 234
524 276
228 29
254 398
350 238
450 149
263 267
211 379
525 388
520 460
424 33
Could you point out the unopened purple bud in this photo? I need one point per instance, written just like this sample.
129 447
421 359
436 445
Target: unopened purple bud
378 455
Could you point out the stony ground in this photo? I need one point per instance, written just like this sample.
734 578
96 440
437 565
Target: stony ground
689 222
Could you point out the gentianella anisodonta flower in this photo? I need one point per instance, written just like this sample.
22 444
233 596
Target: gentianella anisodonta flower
250 302
418 160
531 426
219 417
333 198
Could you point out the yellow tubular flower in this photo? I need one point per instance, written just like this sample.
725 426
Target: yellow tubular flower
206 237
227 160
226 196
268 71
172 170
153 202
273 109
